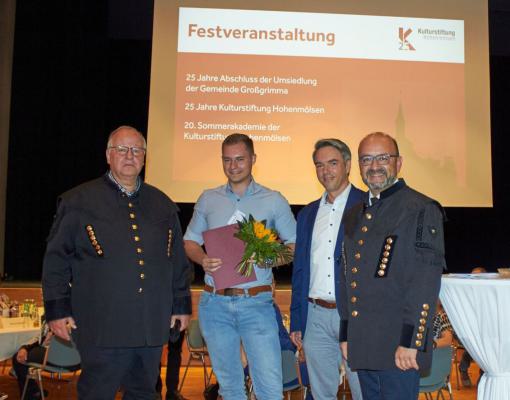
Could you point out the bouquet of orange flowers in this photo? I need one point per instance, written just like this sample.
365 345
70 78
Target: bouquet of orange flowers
262 246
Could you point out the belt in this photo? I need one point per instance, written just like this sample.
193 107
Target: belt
322 303
238 291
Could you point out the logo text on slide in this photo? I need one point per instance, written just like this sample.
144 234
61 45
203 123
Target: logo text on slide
402 37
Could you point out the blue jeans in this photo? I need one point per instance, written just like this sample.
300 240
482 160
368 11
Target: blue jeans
323 355
225 322
392 384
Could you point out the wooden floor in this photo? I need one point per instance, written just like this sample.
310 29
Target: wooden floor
194 385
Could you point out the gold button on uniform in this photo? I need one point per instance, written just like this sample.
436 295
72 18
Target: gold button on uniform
140 290
354 299
130 205
354 270
364 229
368 215
419 335
142 276
100 252
387 247
357 256
353 284
426 306
423 321
94 242
380 272
418 343
389 240
360 242
132 215
139 250
137 238
134 226
382 266
386 254
421 329
354 313
424 313
141 262
89 227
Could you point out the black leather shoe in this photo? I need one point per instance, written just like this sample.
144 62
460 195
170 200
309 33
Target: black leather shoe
175 395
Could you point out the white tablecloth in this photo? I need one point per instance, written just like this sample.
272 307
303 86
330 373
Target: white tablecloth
478 306
14 332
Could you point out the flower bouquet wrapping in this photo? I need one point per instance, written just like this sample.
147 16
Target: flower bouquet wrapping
262 246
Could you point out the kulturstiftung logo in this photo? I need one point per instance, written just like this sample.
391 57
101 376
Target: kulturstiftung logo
405 44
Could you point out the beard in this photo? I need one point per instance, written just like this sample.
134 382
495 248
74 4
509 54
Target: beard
378 186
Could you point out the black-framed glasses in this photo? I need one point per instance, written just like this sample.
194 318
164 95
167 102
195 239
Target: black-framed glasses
123 150
381 159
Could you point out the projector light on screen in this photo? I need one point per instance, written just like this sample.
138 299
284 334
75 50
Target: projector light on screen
288 78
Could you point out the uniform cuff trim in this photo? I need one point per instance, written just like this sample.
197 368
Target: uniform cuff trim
57 309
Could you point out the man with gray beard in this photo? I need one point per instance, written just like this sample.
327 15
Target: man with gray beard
393 259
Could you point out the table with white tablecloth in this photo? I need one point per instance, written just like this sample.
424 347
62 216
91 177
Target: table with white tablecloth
478 306
14 332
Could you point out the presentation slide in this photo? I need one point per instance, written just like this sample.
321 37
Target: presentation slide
288 77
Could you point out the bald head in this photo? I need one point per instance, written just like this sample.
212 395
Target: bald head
380 137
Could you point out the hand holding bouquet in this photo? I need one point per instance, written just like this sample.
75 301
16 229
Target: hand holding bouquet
262 246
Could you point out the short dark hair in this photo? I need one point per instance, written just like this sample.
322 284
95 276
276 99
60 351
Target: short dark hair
236 138
382 135
337 144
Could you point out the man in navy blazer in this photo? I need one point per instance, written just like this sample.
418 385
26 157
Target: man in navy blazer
315 319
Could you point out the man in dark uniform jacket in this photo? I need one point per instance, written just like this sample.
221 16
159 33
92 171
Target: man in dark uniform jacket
393 260
115 273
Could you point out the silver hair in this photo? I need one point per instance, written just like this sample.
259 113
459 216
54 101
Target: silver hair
112 134
337 144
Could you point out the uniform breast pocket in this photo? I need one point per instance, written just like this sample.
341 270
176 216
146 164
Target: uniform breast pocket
427 255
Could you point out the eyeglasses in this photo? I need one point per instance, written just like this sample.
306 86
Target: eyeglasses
123 150
381 159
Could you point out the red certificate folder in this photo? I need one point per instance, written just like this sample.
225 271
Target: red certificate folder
221 243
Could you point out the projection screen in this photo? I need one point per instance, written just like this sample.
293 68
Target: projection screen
290 73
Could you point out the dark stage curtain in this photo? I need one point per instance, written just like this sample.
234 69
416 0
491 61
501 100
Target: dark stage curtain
81 68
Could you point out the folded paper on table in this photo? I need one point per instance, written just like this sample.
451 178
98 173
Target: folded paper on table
221 243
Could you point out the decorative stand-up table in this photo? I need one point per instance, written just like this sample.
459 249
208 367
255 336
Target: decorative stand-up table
478 306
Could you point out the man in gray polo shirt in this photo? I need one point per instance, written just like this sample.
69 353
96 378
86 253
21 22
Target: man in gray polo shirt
245 312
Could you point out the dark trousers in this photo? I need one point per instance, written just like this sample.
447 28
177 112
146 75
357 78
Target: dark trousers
173 365
391 384
36 355
105 369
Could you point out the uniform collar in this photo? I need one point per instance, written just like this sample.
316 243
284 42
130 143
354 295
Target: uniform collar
399 184
111 179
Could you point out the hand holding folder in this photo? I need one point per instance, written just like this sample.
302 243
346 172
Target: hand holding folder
221 243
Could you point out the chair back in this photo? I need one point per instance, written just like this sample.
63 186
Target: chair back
194 336
439 371
62 353
290 376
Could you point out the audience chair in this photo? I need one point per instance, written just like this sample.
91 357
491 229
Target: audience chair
61 357
197 349
458 348
290 374
438 378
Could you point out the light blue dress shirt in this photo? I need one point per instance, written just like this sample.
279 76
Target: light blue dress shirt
216 207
